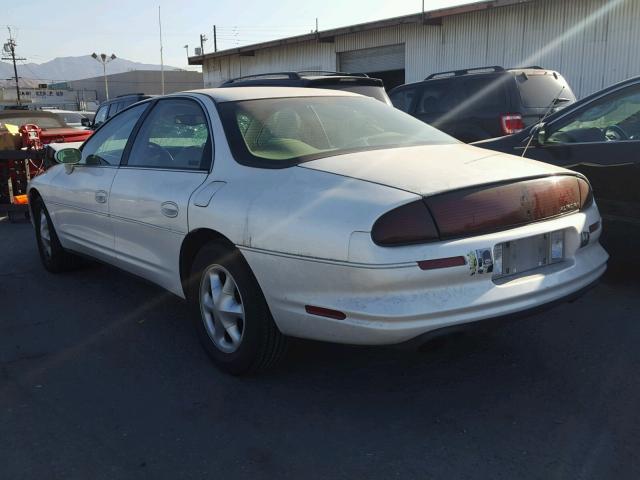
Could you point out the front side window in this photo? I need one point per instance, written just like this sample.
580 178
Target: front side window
101 115
105 147
174 135
614 118
280 132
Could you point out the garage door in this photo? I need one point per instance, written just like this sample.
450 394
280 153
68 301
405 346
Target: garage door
379 59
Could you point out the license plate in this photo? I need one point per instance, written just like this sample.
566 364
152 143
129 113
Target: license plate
526 254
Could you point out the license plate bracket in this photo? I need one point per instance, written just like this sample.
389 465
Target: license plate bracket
526 254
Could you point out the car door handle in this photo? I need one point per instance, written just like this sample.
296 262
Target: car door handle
101 196
169 209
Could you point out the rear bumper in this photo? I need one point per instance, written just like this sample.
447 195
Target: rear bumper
498 321
395 301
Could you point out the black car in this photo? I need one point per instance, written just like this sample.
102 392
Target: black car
109 108
351 82
598 136
485 102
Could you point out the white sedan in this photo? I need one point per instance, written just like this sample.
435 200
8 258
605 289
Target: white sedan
314 213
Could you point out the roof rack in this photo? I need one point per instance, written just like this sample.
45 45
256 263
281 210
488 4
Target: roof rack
530 67
292 75
128 94
466 71
329 73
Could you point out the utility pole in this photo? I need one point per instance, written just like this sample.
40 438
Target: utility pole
161 59
186 47
104 59
215 40
202 40
10 48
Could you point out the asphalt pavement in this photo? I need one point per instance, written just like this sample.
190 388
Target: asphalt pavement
102 377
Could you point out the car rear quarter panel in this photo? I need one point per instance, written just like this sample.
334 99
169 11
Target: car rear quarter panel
296 211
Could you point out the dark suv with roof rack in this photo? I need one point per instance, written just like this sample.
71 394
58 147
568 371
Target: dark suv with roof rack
351 82
486 102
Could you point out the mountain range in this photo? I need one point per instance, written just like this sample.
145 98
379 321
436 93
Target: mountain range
72 68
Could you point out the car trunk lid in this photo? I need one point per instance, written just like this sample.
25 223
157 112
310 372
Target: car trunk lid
431 169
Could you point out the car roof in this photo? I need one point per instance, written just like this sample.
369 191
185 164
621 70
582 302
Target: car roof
303 79
254 93
126 96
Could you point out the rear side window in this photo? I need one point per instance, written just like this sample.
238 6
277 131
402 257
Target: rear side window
403 99
484 93
113 109
436 97
539 90
175 134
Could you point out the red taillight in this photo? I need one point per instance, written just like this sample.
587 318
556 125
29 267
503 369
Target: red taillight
586 195
405 225
511 123
485 209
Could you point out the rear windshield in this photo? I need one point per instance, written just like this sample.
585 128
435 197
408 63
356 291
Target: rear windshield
539 90
367 90
280 132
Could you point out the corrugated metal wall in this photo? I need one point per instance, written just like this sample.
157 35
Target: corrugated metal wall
301 56
593 43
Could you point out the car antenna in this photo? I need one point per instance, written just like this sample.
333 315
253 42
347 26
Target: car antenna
539 124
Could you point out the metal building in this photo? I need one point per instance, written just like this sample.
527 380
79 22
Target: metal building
38 95
139 81
591 42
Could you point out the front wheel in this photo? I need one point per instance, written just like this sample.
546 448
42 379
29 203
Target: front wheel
233 320
54 258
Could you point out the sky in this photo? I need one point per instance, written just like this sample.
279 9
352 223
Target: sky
44 30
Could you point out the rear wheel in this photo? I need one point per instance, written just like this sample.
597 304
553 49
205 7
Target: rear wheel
54 258
233 320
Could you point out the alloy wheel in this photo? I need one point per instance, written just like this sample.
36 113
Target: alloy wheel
222 309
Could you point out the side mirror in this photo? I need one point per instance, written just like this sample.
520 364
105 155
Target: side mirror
541 136
85 122
68 156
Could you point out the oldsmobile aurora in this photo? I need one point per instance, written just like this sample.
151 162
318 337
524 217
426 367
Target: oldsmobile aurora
320 214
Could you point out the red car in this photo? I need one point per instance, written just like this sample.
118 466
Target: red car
15 171
53 128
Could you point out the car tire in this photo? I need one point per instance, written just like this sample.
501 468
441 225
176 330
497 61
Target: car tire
233 320
55 259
